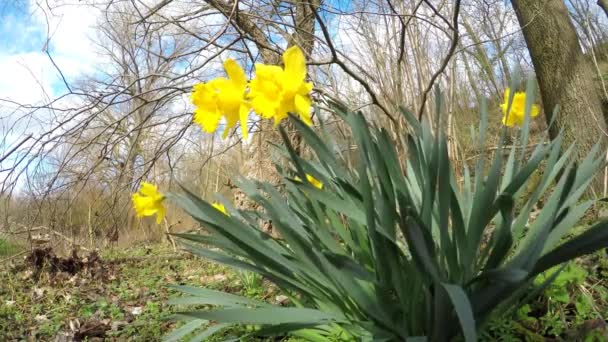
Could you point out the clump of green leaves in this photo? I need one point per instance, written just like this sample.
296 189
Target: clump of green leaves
393 249
560 288
562 310
252 283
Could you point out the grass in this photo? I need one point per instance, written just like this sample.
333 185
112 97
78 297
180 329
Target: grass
7 248
131 303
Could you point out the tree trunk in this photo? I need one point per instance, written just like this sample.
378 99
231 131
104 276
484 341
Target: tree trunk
564 74
604 5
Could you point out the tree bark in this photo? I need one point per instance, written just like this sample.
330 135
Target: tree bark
604 5
565 75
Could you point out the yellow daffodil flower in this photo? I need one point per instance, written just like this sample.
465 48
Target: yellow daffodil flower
276 91
518 107
220 207
222 97
312 180
148 201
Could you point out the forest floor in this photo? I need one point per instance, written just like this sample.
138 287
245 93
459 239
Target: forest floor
122 295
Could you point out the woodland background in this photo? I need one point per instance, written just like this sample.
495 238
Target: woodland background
69 163
72 150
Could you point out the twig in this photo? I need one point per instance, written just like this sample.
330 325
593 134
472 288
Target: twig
347 70
52 231
446 60
506 148
15 148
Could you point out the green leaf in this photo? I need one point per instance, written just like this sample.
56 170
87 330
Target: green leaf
281 329
283 280
184 330
483 208
420 246
502 239
412 120
273 315
246 241
443 202
483 124
343 206
572 217
462 307
203 336
530 87
591 240
502 275
207 296
528 168
347 264
323 153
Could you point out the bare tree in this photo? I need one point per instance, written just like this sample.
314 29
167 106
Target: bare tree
604 5
131 119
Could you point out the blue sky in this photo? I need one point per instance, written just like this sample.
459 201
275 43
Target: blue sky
18 31
28 74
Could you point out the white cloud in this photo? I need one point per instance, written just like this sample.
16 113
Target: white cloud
71 26
28 77
25 77
27 72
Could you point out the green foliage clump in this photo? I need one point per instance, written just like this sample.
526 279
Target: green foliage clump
393 249
570 308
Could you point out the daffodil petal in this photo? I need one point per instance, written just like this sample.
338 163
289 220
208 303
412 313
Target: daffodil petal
278 117
267 71
160 214
264 107
507 94
295 67
305 88
295 64
219 207
244 116
517 111
148 201
207 120
203 95
302 105
148 189
314 182
535 110
235 73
